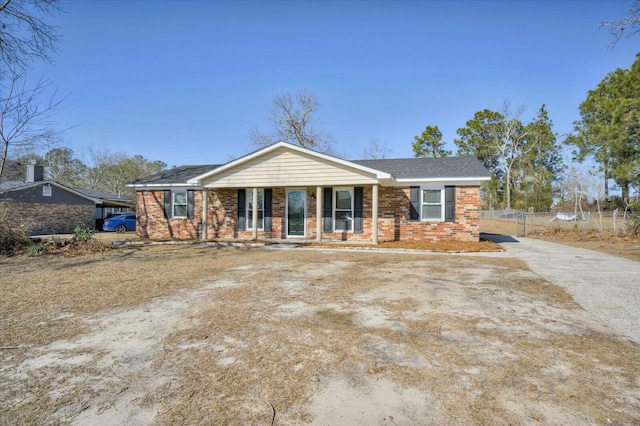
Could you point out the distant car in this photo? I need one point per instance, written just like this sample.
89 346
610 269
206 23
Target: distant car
121 223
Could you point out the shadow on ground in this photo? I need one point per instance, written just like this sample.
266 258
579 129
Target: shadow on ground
498 238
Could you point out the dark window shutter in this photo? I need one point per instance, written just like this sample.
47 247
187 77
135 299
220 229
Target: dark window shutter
450 203
167 204
414 193
242 211
190 204
357 209
267 210
327 207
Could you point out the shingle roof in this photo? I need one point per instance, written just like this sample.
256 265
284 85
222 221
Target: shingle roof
400 168
175 175
426 168
98 194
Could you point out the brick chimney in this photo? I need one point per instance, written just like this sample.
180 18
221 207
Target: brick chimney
35 173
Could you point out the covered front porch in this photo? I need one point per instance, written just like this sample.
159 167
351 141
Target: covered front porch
287 213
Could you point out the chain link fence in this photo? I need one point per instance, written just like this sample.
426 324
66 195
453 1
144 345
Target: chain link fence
525 222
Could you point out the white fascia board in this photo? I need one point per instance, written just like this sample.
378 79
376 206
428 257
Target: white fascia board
475 181
197 179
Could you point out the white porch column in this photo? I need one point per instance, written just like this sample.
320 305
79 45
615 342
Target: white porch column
319 214
205 214
254 216
374 214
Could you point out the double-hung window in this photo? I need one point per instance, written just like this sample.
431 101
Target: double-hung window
260 208
432 204
179 203
343 209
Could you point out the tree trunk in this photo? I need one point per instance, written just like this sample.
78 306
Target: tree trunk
4 159
625 192
508 188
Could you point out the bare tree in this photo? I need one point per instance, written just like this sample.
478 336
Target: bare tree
24 36
376 150
111 171
293 117
25 124
626 27
511 143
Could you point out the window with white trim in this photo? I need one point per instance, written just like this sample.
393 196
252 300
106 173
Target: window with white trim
343 209
250 208
432 204
179 204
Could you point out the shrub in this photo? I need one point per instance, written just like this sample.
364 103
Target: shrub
35 248
83 233
12 239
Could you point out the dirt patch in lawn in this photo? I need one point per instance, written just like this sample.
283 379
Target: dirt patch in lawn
202 335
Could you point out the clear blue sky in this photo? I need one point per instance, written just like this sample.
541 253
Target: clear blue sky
184 82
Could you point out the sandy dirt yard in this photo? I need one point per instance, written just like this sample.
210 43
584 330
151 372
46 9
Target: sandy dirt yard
208 335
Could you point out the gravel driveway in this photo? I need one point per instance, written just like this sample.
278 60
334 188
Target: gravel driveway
606 286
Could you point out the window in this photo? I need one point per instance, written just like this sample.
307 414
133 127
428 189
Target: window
250 209
46 191
343 209
432 204
179 204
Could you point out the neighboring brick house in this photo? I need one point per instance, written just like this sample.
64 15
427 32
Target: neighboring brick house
46 207
302 194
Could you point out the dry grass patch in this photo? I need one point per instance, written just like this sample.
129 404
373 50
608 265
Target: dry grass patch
207 335
432 246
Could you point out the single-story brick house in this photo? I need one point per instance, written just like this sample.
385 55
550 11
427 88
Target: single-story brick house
42 206
303 194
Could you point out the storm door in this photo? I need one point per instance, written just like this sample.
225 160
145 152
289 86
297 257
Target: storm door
296 208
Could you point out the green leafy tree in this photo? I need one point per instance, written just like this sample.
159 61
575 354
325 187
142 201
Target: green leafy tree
516 154
429 143
479 138
539 169
609 130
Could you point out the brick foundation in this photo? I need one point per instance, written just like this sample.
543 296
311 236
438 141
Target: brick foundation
393 217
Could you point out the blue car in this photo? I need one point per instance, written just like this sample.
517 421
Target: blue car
122 223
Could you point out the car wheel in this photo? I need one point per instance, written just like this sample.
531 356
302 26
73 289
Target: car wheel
121 229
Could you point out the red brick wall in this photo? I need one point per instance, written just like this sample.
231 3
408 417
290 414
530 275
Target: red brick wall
393 217
153 225
394 223
46 218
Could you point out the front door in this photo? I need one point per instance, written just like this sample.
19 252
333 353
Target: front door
296 208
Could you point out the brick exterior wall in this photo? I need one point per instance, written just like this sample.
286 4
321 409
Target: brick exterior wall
393 217
40 218
394 220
